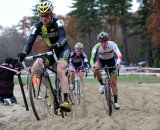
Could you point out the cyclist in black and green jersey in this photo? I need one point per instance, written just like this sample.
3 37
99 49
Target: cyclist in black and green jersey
103 53
51 29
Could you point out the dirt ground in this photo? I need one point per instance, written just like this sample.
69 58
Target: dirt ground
140 110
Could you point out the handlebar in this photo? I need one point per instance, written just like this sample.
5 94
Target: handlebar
40 55
77 71
108 67
43 54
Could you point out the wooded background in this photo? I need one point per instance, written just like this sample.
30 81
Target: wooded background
137 34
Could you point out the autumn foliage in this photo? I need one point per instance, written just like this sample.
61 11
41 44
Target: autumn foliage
154 26
70 29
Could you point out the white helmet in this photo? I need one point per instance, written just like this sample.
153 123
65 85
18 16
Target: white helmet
78 46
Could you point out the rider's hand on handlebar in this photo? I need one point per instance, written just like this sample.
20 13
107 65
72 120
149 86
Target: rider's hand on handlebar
93 68
22 56
118 66
86 69
56 45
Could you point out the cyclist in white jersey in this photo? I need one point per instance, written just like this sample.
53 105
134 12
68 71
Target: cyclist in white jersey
103 53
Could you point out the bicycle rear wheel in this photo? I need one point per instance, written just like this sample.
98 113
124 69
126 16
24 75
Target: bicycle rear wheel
41 96
59 94
60 98
108 98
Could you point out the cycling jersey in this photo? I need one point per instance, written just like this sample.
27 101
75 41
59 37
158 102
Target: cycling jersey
107 53
79 61
52 34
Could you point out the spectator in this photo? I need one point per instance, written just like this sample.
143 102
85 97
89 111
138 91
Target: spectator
7 83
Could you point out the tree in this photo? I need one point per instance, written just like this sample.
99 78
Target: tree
87 17
11 42
117 10
144 13
154 29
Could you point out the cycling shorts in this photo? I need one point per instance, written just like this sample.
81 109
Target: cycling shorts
78 65
110 63
62 53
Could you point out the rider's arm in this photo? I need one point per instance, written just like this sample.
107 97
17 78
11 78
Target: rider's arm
33 35
93 54
61 33
85 59
118 53
71 57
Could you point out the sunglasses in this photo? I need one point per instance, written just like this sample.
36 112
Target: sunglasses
44 15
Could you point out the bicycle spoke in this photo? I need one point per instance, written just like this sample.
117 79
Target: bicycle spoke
40 96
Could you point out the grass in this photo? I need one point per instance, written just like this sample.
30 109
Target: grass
139 79
121 78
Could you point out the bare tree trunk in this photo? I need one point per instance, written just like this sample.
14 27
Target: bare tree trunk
124 39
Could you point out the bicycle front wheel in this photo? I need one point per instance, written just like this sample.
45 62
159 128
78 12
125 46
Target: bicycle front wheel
108 98
41 96
77 91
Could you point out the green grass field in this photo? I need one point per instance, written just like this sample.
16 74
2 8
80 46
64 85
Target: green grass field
121 78
139 79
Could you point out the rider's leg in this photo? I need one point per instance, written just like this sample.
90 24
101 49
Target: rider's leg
71 68
99 77
37 65
114 88
61 68
81 74
97 72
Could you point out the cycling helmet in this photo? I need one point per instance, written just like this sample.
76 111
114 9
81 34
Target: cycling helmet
103 36
45 7
78 46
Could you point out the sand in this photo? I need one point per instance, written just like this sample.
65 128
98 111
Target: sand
140 110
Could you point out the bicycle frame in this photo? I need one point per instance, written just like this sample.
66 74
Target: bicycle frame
43 75
77 89
108 88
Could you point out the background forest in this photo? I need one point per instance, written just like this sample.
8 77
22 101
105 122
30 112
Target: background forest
137 34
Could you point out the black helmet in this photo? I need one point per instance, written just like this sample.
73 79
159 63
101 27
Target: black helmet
103 36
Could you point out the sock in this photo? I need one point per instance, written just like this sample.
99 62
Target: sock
115 98
101 82
71 82
65 96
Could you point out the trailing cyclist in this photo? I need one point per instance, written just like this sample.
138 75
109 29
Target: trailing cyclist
106 50
51 29
78 60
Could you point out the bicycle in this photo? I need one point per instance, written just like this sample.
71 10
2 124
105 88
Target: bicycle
43 96
76 90
17 70
108 95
